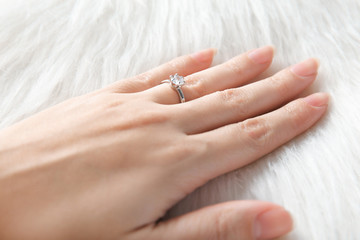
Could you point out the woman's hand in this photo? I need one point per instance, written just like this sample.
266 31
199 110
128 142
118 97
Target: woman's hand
109 164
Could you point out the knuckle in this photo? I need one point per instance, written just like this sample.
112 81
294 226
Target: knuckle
191 80
236 99
280 85
297 113
113 103
256 130
188 149
236 65
227 96
195 87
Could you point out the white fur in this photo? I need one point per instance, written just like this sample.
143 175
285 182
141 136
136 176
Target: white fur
51 50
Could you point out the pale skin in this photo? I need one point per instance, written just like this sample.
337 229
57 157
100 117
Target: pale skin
109 164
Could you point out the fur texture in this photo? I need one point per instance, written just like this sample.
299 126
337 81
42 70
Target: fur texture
51 50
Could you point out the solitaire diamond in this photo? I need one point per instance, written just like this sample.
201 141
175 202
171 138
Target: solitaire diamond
177 80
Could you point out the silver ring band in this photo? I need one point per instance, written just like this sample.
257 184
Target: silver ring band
181 94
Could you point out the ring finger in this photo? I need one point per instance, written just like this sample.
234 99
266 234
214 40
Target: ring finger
233 73
184 65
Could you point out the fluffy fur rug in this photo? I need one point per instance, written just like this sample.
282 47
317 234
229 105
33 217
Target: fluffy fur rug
51 50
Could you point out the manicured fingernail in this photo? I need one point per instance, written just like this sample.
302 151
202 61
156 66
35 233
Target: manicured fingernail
273 223
306 68
318 99
262 55
204 55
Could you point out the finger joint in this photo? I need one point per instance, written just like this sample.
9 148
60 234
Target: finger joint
280 85
236 65
256 130
235 99
297 113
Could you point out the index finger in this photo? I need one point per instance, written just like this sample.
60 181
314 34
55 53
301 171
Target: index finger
184 65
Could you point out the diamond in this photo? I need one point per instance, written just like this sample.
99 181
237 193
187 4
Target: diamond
177 80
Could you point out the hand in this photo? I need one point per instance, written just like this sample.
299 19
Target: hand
109 164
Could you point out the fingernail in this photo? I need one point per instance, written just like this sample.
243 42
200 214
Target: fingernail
262 55
306 68
273 223
204 55
318 99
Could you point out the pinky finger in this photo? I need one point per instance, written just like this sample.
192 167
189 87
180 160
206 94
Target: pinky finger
241 143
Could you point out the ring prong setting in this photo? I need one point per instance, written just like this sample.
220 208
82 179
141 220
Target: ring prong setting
177 80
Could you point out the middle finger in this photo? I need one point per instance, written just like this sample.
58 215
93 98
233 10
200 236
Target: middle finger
233 73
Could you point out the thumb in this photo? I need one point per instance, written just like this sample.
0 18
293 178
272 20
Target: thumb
246 220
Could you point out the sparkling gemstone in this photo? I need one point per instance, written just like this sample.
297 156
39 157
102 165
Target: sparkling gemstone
177 80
